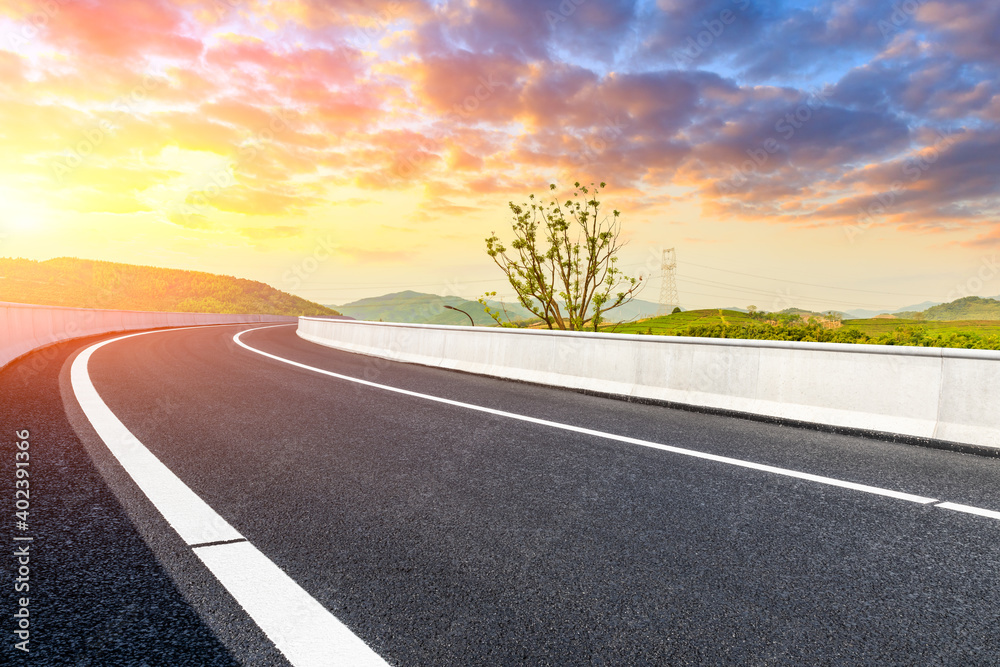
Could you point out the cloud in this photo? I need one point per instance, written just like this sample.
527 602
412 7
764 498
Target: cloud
468 87
990 239
781 111
189 219
379 256
92 200
117 29
269 233
267 200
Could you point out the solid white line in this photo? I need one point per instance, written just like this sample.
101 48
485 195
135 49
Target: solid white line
601 434
969 509
183 509
301 628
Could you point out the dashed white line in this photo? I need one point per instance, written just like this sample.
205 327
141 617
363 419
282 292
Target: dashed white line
301 628
923 500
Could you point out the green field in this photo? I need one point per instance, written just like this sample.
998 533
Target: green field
676 324
983 334
877 326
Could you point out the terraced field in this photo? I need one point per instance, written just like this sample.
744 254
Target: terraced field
676 324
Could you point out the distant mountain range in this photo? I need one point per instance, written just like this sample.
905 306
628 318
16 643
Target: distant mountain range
422 308
84 283
862 313
430 309
968 308
419 308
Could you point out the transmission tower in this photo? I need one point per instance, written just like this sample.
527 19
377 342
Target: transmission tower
668 283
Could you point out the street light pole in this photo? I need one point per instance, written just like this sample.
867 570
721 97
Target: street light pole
461 311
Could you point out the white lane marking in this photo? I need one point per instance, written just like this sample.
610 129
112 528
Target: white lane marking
183 509
969 509
609 436
303 630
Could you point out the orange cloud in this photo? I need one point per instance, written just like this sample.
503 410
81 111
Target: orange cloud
120 28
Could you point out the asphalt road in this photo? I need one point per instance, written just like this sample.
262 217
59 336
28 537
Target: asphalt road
448 536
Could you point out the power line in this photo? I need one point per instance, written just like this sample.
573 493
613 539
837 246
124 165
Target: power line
340 287
796 282
761 292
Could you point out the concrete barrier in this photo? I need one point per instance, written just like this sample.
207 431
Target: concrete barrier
25 327
941 394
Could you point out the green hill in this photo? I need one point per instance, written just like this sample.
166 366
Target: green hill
421 308
84 283
969 308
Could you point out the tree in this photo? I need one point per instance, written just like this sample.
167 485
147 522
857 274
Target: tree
676 310
563 260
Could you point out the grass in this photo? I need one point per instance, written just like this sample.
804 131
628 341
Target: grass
729 323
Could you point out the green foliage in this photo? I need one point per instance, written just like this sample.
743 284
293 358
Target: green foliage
562 262
676 310
503 320
82 283
968 308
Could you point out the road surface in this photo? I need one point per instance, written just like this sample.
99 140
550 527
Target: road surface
448 519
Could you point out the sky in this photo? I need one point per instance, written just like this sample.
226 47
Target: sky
826 155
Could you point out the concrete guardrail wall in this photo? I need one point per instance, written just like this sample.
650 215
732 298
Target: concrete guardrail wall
25 327
942 394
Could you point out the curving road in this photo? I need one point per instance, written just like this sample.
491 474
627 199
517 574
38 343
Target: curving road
428 517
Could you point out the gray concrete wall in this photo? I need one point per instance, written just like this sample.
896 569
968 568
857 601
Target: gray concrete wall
25 327
946 394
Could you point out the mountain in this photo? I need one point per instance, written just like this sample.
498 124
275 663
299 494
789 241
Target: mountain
636 309
969 308
84 283
863 313
420 308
